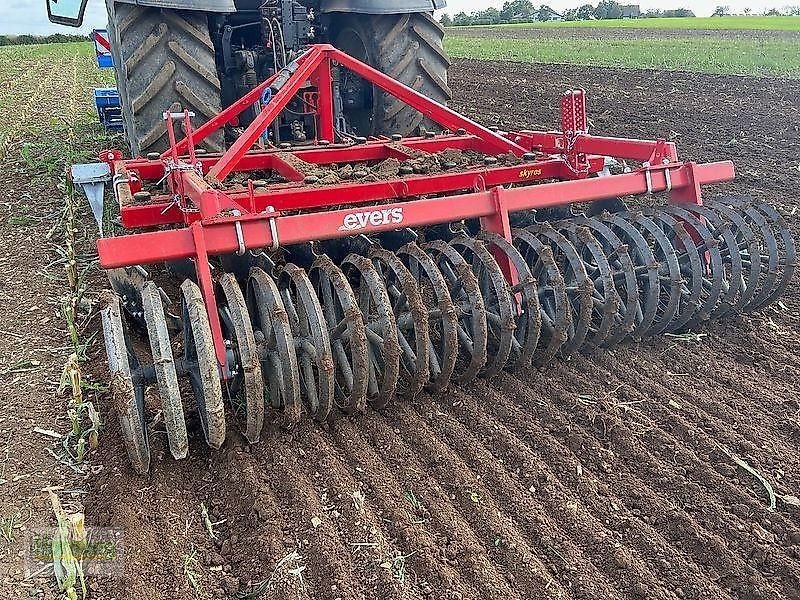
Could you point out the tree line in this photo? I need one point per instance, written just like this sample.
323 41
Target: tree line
28 40
524 11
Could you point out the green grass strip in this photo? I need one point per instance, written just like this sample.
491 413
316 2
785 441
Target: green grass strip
740 23
740 57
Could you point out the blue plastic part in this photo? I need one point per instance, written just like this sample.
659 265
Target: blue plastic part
109 108
105 61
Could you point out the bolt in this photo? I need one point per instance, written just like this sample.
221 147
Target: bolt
430 134
490 160
311 180
361 140
285 146
529 156
461 131
200 151
324 142
396 137
153 156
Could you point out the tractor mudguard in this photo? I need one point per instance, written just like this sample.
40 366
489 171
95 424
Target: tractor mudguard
218 6
381 7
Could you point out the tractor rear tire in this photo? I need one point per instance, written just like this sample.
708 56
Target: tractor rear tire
408 48
164 59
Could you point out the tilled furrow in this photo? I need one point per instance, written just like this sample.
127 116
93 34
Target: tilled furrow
352 509
687 441
569 488
501 532
558 554
422 541
736 427
244 513
663 492
328 573
465 547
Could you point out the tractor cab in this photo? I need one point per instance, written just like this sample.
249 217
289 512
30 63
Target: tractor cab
66 12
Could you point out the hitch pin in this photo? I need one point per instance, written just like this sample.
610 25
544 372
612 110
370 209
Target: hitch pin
648 177
239 234
273 230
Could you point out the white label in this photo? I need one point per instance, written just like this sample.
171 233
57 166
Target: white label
374 218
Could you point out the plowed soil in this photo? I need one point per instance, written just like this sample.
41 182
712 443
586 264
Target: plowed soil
610 475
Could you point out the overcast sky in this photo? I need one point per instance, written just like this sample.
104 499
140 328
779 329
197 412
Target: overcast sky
30 16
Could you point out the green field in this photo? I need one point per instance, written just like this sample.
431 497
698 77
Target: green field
778 57
719 23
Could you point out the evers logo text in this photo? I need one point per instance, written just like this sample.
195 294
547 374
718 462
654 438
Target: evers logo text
374 218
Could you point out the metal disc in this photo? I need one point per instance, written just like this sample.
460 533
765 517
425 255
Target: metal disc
712 273
556 313
645 272
745 245
787 252
383 347
496 301
442 320
276 348
202 362
166 375
628 319
579 288
312 344
525 301
767 255
127 283
462 285
347 334
608 311
411 318
731 273
691 265
246 390
668 269
128 398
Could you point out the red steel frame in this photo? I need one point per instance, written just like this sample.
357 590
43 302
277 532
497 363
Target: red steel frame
206 218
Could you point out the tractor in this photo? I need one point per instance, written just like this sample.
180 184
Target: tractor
205 54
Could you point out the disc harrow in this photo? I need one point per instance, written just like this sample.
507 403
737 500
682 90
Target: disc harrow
412 284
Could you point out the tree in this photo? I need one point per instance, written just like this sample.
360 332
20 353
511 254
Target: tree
678 12
721 11
492 16
585 12
544 13
517 11
571 14
446 21
748 10
608 9
461 19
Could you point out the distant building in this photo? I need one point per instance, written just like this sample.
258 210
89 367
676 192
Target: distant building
631 11
548 14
